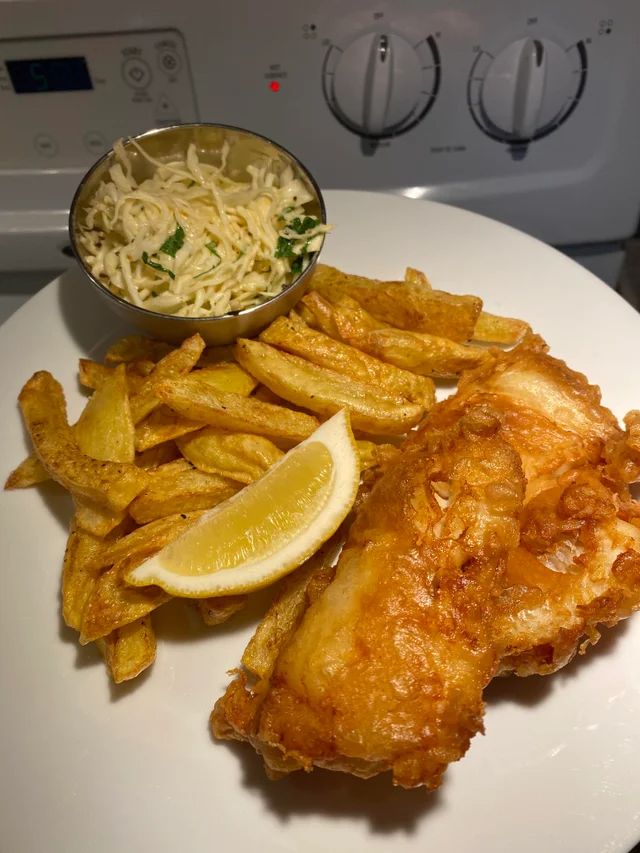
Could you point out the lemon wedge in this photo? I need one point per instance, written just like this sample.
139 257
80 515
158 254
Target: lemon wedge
267 529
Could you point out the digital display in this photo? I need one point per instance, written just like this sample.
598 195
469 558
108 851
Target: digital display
55 74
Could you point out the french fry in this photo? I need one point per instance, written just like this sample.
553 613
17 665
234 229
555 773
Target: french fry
129 650
343 319
198 401
295 337
242 457
175 363
113 604
414 276
215 611
162 425
92 374
144 541
105 428
30 472
424 354
79 574
111 425
96 520
109 485
280 621
216 355
157 455
178 488
228 377
491 328
326 392
136 348
417 352
403 304
266 395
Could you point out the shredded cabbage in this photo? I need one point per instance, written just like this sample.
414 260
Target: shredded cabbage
192 242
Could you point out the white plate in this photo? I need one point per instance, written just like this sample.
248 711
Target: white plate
89 767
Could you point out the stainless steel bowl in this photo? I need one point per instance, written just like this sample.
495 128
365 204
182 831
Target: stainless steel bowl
166 143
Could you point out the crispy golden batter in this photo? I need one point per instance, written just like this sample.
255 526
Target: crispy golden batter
498 542
578 563
387 668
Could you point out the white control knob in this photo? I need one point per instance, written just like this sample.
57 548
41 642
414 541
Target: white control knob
377 84
527 87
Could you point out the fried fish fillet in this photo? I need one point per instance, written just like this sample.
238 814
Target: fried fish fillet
387 667
500 540
578 562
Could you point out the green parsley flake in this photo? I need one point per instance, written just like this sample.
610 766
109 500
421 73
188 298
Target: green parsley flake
300 226
212 246
155 265
173 244
284 248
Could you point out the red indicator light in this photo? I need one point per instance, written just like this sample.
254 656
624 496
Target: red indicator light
274 86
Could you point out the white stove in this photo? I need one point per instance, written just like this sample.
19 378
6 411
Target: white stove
524 111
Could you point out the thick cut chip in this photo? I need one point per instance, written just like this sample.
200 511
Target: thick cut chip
415 276
178 488
176 363
239 456
403 303
109 485
92 374
418 352
105 428
326 392
283 617
95 519
143 541
228 377
163 424
216 355
79 573
129 650
294 336
215 611
30 472
157 455
199 401
491 328
422 353
112 603
136 348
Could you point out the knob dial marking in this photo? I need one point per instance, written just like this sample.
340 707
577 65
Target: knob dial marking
379 85
527 90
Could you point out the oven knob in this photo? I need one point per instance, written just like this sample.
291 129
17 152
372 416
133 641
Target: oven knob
526 90
374 85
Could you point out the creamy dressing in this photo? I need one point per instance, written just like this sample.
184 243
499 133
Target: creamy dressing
193 242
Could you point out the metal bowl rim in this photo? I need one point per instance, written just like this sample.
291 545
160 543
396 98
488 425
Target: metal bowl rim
243 312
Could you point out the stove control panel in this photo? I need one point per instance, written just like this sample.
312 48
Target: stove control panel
67 99
524 111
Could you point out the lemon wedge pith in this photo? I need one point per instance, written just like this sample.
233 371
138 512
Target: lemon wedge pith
267 529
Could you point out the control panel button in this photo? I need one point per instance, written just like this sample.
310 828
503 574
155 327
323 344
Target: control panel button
94 142
45 145
169 61
136 73
166 112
